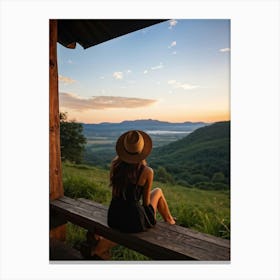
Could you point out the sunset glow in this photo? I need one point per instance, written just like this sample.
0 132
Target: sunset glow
174 71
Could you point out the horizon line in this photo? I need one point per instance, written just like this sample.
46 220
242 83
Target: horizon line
135 120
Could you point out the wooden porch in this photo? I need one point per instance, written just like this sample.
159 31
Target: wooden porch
163 242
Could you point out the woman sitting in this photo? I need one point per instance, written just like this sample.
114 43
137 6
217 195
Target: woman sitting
134 205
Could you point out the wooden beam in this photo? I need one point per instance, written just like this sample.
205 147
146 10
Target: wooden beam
56 188
55 172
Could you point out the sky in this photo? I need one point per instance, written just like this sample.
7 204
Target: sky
176 71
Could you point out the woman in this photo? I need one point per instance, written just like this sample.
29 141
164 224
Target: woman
134 205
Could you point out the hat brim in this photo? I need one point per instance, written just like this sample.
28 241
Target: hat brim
134 158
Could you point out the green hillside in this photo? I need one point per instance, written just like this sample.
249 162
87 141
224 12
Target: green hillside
201 159
202 210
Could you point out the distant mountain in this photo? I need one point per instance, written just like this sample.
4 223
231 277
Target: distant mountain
149 122
146 125
202 156
145 122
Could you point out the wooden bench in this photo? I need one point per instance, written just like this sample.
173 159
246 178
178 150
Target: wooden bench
163 242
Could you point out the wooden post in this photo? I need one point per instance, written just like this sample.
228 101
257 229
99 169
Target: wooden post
56 187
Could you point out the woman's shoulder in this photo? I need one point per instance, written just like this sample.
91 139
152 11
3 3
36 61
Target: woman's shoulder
147 175
148 170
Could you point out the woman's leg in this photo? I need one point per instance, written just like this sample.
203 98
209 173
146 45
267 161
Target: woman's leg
159 202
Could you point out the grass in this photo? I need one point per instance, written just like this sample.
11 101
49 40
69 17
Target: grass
87 182
205 211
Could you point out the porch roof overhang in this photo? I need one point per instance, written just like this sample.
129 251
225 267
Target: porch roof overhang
89 33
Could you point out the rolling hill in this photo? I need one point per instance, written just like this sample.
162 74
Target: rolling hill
201 159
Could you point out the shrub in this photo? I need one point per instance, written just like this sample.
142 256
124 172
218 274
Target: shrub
196 178
163 176
211 186
218 177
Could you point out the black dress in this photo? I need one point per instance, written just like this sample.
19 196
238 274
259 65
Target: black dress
127 214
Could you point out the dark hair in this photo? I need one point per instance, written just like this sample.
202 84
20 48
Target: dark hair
122 174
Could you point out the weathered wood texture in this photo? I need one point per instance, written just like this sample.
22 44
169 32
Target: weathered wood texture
55 173
163 242
56 188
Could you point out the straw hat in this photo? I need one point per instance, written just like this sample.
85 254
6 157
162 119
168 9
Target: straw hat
134 146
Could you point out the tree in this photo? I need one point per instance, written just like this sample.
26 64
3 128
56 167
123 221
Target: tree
163 176
218 177
72 140
198 178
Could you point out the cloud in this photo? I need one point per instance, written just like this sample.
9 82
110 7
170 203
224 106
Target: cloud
157 67
65 80
173 44
224 50
171 82
184 86
172 23
118 75
153 68
76 102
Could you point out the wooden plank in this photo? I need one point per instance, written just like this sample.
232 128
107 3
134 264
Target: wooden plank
93 203
203 249
199 235
83 202
163 240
